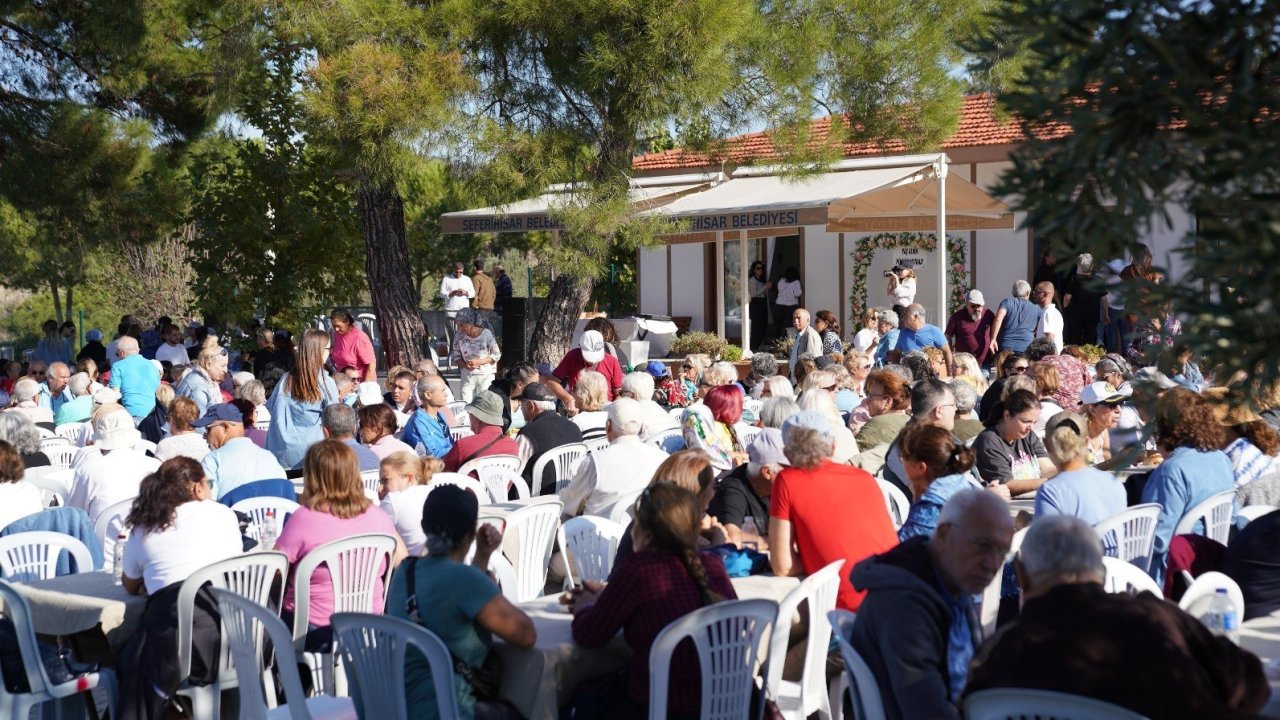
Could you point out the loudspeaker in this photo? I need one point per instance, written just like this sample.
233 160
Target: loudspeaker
519 316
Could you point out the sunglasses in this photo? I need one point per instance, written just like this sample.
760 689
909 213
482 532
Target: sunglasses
1019 368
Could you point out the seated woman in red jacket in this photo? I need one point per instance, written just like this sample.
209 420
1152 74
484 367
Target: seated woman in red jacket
664 579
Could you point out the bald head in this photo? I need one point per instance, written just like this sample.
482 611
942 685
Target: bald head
971 542
126 346
800 318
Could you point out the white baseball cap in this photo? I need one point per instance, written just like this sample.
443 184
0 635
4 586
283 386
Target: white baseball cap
975 297
592 346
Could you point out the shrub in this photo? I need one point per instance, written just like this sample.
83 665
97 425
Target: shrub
731 353
693 343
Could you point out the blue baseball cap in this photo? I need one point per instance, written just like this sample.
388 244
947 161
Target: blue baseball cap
657 369
222 412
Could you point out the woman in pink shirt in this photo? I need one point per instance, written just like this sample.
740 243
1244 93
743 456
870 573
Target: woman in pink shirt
334 507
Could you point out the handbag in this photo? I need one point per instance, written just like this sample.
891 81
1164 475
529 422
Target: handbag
484 679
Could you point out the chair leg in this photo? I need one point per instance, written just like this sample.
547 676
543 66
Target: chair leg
835 697
205 702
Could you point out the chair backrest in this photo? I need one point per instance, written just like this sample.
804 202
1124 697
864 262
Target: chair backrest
461 418
499 481
595 444
1253 512
244 625
624 509
1018 703
728 637
507 462
259 577
109 524
466 483
60 456
1206 586
1123 577
370 478
896 501
14 607
459 432
356 564
671 439
373 650
145 446
54 441
564 460
48 477
747 433
819 591
1216 513
591 544
535 530
864 690
1130 535
257 507
70 431
33 555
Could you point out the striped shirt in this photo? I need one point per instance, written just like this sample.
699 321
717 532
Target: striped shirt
1249 462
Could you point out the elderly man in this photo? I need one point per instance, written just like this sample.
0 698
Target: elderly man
428 426
485 415
639 386
917 628
352 347
589 355
425 367
113 469
820 512
625 466
457 290
1051 324
1016 320
136 379
744 492
543 430
53 391
80 406
807 342
25 400
969 328
236 467
1136 651
916 334
339 423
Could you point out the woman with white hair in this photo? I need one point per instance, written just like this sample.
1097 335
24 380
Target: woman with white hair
1016 320
887 326
591 395
823 403
639 386
18 430
255 392
201 383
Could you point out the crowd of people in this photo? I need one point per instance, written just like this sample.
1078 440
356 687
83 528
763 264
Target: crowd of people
723 467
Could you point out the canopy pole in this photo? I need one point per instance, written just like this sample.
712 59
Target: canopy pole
744 295
941 166
719 285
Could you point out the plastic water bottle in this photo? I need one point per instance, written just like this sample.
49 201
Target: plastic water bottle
1222 617
750 533
267 532
117 558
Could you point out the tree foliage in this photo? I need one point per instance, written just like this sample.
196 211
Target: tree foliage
1165 103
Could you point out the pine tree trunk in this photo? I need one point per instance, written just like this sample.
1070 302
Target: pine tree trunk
553 336
57 300
395 299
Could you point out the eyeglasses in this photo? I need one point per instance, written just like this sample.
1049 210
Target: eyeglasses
1019 368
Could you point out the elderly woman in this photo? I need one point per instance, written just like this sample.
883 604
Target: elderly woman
777 386
377 431
18 498
476 353
1194 467
964 366
1077 490
256 393
967 424
775 411
639 386
884 411
25 400
887 326
298 399
18 430
591 396
828 327
1101 404
183 440
823 402
859 364
201 383
823 510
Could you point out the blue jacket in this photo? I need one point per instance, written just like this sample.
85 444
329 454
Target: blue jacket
197 386
1186 477
922 520
433 433
295 425
66 520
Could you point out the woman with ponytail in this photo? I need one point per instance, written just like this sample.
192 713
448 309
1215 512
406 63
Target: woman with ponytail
937 467
663 580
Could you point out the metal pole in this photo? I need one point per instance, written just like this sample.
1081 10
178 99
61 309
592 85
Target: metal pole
941 168
744 295
719 284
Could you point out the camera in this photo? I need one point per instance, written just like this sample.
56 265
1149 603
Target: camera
889 273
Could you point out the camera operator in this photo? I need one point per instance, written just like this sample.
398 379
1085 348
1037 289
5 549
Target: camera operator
902 288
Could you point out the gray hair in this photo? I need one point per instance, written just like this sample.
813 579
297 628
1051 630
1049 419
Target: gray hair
427 366
239 379
807 447
888 317
721 373
966 396
901 371
425 383
255 392
1064 548
543 405
964 503
916 310
1107 365
764 365
928 394
780 387
79 384
821 402
1014 383
639 385
342 381
126 346
339 419
817 380
1084 263
18 430
1022 289
25 389
775 411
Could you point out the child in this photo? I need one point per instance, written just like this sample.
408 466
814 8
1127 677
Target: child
667 391
476 354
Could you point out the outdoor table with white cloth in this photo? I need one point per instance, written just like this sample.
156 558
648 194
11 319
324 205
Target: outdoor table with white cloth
1261 636
81 603
540 680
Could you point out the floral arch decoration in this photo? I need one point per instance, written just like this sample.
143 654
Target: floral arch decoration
864 251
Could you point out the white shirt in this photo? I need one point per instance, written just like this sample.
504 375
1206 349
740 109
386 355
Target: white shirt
1051 322
405 510
591 423
627 465
788 292
448 285
18 500
203 532
654 419
904 293
187 444
109 478
175 354
865 339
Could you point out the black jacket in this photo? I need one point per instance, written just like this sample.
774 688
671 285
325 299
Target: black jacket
901 632
545 432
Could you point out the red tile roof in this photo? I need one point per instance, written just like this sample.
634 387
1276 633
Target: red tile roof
977 127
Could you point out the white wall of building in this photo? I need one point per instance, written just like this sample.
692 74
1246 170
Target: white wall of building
821 274
653 281
688 282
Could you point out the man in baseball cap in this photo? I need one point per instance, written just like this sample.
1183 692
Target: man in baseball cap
744 492
969 328
589 355
485 415
543 430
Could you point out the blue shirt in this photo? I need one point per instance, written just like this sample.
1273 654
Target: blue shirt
1089 494
136 379
923 517
77 410
200 389
887 343
1186 477
432 432
927 336
367 458
1019 325
239 462
54 402
295 424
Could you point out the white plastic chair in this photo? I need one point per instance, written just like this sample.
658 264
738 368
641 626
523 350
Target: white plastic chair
1134 533
564 460
145 446
798 700
1123 577
1017 703
1206 586
1253 512
71 431
1216 513
33 555
507 462
108 526
260 578
896 501
244 624
53 479
373 650
355 564
60 456
54 441
499 481
461 418
728 637
670 440
41 689
858 678
483 496
989 603
589 545
457 433
370 478
623 511
596 444
534 528
747 433
257 507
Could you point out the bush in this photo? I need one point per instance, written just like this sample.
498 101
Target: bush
693 343
731 353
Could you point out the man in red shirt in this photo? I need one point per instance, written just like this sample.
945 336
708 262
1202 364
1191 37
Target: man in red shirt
351 347
833 512
485 411
589 355
969 328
